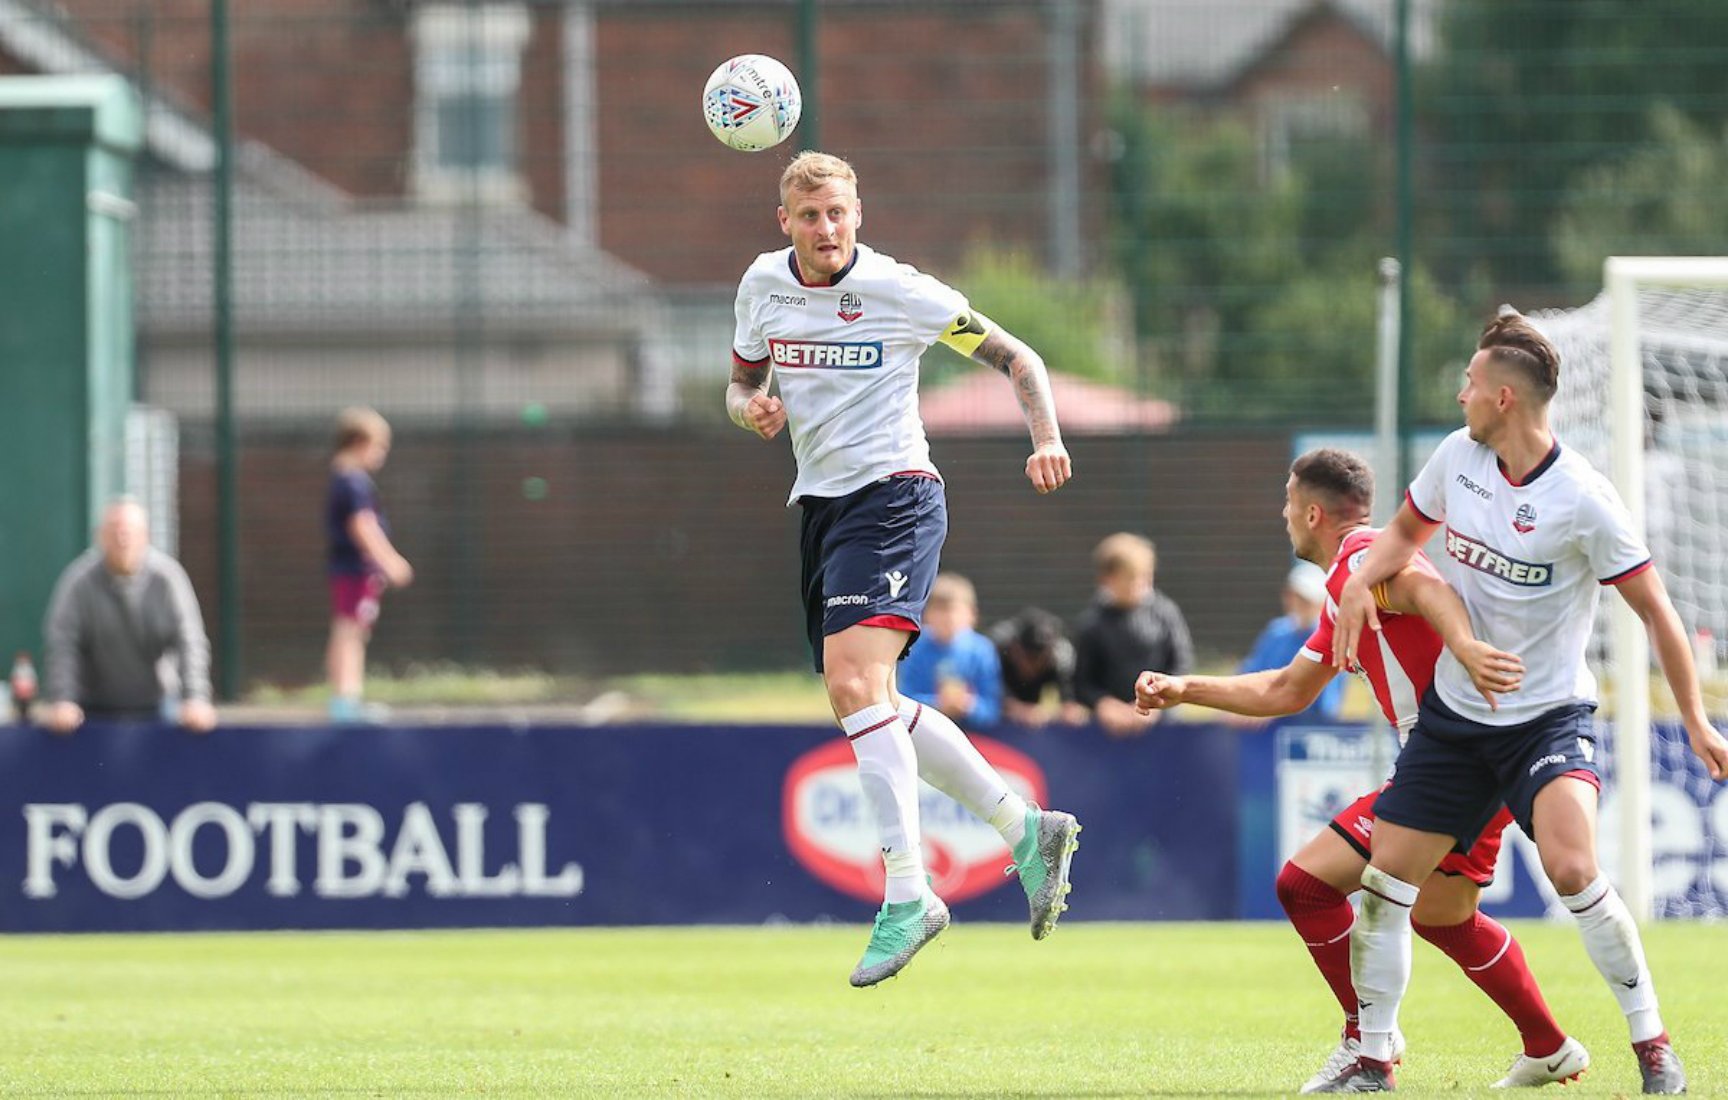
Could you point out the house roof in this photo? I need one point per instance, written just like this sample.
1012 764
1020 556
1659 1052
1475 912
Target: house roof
44 41
308 258
1202 45
980 403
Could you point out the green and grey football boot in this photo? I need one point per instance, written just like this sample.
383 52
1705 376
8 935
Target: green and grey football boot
1041 860
901 928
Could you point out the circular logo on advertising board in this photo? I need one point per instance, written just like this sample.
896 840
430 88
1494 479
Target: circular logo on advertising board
830 832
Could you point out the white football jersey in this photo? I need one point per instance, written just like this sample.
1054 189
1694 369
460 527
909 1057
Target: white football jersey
847 358
1528 560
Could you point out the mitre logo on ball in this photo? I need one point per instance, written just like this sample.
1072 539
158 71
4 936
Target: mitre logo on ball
831 832
751 102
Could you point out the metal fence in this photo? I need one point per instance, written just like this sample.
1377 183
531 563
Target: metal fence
504 226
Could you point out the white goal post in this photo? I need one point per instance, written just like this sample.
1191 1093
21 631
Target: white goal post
1623 276
1664 321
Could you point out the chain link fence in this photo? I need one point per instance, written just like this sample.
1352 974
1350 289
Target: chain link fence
505 227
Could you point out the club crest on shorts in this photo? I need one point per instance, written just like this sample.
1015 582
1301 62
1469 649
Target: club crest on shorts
1524 521
832 835
851 307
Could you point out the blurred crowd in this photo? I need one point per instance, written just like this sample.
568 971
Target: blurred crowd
1032 669
124 636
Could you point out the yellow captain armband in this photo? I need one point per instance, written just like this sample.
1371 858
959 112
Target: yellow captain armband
1382 598
965 334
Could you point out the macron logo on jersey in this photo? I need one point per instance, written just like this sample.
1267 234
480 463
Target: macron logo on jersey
825 353
1485 559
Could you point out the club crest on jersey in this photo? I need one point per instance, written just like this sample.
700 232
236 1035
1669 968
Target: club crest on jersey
851 307
1525 520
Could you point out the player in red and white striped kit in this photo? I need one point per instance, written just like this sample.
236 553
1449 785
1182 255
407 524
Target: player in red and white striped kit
1328 499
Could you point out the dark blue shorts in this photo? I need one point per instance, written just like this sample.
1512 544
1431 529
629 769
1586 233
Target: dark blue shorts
874 551
1453 773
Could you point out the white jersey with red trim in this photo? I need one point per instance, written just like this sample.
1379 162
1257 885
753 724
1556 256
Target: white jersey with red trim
846 356
1528 559
1399 664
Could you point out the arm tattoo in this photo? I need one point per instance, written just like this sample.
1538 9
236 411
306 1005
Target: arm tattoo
1021 365
748 382
753 377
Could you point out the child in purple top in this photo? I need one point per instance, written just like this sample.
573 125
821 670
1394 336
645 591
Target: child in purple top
362 560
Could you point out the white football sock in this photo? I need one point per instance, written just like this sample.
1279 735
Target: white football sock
888 772
1380 958
1612 941
948 761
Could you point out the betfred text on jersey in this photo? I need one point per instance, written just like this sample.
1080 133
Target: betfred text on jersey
832 355
1485 559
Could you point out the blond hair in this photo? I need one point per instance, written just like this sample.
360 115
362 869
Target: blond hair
953 590
359 424
809 170
1124 553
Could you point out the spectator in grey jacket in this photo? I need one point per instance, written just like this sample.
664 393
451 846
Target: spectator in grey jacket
125 637
1130 622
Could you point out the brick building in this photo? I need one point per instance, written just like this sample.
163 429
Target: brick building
457 213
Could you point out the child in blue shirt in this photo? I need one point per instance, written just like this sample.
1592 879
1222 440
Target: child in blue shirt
952 667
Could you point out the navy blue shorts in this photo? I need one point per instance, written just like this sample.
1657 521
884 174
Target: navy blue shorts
1453 773
874 551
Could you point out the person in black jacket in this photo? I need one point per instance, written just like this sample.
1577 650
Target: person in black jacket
1129 627
1037 657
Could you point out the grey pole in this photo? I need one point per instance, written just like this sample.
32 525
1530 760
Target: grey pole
1064 138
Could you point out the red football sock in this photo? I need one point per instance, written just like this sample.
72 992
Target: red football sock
1490 957
1322 917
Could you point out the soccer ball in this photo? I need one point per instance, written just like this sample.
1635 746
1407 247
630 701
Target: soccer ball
752 102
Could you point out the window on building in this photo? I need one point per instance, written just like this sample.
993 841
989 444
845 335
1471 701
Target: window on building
467 79
1327 144
1297 130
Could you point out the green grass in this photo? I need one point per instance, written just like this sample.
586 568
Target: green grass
1098 1010
790 696
760 697
442 684
745 697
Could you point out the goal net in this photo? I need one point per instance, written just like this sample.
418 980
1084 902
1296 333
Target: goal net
1644 395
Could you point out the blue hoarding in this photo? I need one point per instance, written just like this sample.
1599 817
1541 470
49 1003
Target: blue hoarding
148 828
121 828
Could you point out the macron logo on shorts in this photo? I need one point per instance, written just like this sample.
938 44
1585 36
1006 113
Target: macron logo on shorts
826 354
1551 758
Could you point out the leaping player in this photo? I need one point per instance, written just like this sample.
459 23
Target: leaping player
844 327
1534 534
1328 498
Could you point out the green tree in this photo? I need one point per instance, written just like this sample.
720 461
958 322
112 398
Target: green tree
1201 236
1078 327
1321 340
1664 199
1524 96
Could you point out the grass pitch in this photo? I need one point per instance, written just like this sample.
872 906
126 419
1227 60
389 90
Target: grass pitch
1098 1010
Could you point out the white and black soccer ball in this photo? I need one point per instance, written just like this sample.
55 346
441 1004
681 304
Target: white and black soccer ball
752 102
